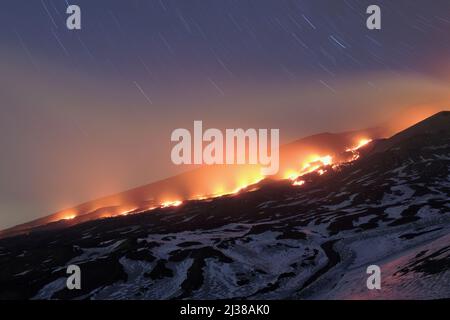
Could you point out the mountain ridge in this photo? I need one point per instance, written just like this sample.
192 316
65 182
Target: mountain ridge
328 142
277 241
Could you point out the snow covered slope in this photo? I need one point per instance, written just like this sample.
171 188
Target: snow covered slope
390 208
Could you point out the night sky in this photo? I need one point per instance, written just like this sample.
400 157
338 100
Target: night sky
89 113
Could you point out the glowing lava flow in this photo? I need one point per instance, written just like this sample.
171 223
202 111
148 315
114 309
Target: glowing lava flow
243 184
69 217
361 143
298 183
317 164
354 150
127 212
220 191
174 203
313 163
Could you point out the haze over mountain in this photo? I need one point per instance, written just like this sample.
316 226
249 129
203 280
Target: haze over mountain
275 240
99 104
208 181
203 182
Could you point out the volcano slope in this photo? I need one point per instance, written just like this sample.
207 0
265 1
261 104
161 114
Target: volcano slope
196 183
272 241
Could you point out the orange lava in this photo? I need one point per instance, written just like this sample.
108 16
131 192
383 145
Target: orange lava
361 143
298 183
317 163
69 217
172 203
313 163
